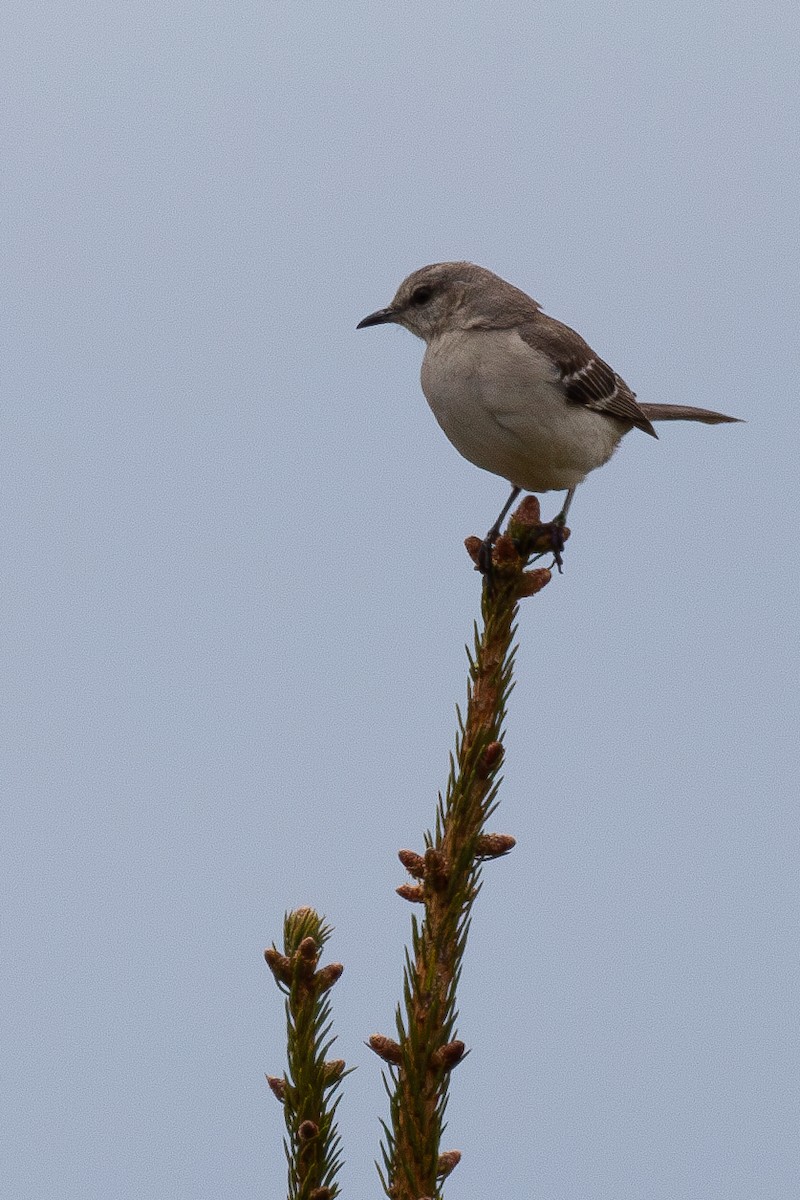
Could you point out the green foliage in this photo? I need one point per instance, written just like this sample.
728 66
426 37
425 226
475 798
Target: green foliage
308 1091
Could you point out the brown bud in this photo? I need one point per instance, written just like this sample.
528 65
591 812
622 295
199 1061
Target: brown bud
505 552
528 512
320 1193
327 977
277 1085
494 845
550 536
279 964
473 545
447 1057
436 872
307 1130
489 759
448 1161
386 1049
305 959
333 1071
308 949
533 581
413 892
414 863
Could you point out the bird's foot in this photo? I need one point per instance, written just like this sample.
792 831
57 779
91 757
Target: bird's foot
540 540
527 537
558 535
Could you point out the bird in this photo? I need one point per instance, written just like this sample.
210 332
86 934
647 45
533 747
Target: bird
517 392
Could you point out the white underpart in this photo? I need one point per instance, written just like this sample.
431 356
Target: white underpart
503 406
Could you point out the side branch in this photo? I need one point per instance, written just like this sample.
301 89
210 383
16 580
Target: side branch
307 1090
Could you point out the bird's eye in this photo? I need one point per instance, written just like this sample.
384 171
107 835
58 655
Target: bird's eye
420 296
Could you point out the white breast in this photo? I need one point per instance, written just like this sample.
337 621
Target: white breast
501 405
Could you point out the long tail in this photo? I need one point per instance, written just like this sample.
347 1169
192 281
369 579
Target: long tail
683 412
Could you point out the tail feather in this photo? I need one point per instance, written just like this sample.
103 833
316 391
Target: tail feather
683 412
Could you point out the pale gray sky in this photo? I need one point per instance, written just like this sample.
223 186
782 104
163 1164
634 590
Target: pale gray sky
236 596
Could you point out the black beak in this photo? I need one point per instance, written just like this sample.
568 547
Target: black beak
382 317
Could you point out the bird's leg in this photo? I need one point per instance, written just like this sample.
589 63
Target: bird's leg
561 519
558 523
485 552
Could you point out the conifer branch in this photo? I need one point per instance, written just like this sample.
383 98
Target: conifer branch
447 879
307 1090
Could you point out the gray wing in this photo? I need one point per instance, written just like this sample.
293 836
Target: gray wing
586 379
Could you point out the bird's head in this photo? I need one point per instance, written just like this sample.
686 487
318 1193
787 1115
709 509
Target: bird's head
448 296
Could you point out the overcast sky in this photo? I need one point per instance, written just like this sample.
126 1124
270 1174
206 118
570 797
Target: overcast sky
236 596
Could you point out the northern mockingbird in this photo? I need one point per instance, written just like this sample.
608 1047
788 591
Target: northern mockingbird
517 393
